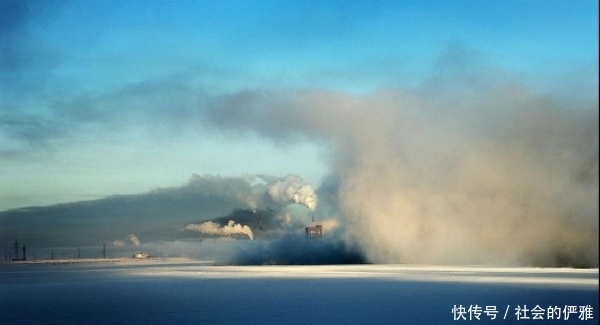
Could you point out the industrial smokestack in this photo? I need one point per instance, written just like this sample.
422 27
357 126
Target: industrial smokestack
24 253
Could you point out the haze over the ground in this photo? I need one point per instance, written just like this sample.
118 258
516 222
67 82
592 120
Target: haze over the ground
447 132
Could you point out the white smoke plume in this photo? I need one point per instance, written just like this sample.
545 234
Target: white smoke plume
134 240
118 244
213 228
292 189
465 169
251 191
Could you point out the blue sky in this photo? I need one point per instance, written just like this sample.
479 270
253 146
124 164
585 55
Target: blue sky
107 97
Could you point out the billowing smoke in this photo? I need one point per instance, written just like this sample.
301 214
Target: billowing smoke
213 228
134 240
292 189
251 191
122 244
466 169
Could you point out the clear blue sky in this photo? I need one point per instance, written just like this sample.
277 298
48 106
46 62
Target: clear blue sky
104 97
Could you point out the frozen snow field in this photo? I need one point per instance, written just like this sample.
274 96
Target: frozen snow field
177 292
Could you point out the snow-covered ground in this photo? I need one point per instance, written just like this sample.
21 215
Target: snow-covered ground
184 292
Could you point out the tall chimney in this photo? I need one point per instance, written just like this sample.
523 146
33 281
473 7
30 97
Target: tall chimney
24 253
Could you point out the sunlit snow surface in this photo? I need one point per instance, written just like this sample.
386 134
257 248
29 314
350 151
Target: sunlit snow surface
183 292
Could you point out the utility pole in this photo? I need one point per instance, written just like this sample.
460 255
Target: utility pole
16 246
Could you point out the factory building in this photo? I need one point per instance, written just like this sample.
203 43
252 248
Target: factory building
314 232
140 255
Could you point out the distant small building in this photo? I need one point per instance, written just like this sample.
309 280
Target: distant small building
315 232
140 255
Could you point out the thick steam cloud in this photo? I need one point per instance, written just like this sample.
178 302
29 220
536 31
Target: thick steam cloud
251 191
292 189
467 171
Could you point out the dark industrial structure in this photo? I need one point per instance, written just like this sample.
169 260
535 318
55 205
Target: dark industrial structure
16 249
314 232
